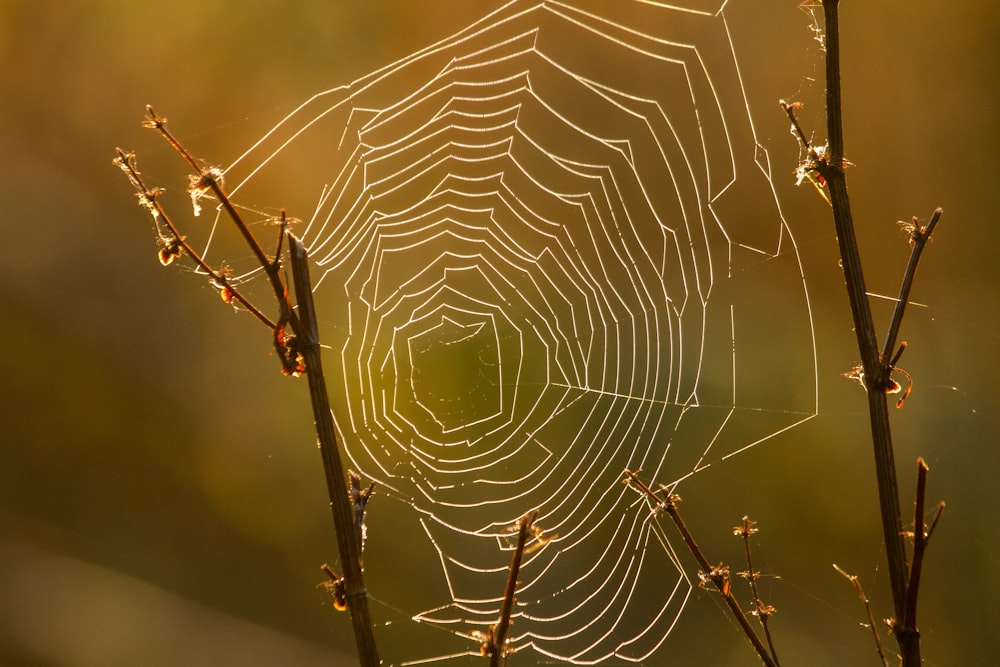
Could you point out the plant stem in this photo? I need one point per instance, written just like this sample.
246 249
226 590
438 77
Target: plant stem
868 611
918 237
340 502
903 578
876 376
718 575
721 582
921 535
126 162
763 611
498 635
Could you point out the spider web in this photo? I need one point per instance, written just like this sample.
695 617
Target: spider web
548 250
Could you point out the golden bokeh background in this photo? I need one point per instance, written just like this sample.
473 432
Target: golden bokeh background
161 500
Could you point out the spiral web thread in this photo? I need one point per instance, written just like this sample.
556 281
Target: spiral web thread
548 250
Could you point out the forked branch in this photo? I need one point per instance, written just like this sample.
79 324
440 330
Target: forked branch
299 351
919 236
921 535
877 365
715 575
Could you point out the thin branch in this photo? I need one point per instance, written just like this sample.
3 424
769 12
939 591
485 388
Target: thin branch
298 352
496 644
177 244
341 504
868 610
876 373
877 379
918 240
209 179
717 575
831 167
921 535
762 611
799 132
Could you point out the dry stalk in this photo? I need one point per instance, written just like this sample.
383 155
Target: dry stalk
295 337
829 165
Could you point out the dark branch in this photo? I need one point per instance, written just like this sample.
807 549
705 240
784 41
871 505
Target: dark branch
717 575
921 535
762 611
341 504
918 239
877 367
298 352
496 644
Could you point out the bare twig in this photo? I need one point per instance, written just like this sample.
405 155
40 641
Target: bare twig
918 239
348 540
868 610
298 351
208 179
762 611
174 243
495 643
177 243
877 366
717 575
920 537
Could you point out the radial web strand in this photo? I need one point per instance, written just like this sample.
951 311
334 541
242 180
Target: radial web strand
547 250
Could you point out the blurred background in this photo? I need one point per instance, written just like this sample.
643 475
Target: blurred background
161 500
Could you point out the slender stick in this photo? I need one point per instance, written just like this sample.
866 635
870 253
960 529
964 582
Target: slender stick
717 575
208 179
919 237
877 366
876 375
920 537
498 634
761 610
868 610
348 509
340 500
126 161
